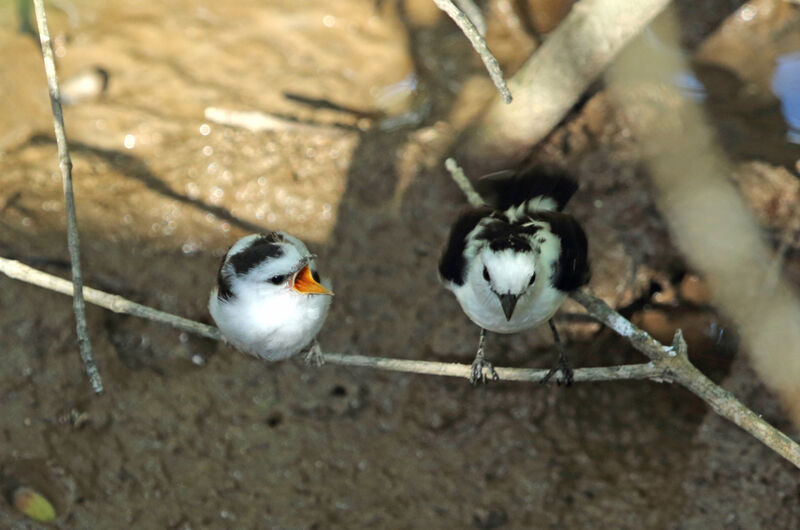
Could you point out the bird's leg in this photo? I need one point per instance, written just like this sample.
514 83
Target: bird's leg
314 355
479 364
562 364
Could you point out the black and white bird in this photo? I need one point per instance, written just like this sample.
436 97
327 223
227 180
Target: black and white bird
512 263
269 301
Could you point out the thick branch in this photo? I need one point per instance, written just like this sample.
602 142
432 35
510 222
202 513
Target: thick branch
558 73
65 163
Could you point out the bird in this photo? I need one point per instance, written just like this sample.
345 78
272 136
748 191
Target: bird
268 301
512 262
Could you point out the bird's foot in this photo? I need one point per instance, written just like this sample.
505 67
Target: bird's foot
478 372
314 355
566 373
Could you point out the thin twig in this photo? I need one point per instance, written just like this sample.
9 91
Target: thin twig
674 360
605 373
20 271
479 43
463 183
65 163
474 14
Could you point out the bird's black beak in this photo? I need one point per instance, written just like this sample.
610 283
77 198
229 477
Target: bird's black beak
509 302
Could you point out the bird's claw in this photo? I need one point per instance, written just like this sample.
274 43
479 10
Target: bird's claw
478 372
567 373
314 356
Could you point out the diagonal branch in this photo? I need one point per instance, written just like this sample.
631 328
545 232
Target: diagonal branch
479 43
65 163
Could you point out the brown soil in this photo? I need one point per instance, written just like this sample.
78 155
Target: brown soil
191 434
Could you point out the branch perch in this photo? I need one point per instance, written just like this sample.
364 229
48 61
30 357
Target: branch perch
65 163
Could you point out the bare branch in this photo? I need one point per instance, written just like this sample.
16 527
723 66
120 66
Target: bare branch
463 182
20 271
606 373
65 163
479 43
559 72
474 14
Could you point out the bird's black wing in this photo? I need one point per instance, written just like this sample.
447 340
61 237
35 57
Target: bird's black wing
224 291
505 189
452 265
572 266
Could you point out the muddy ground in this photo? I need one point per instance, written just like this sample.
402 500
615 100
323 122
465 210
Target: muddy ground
190 434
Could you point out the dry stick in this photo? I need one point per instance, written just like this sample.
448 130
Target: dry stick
473 12
479 43
673 360
65 163
20 271
463 183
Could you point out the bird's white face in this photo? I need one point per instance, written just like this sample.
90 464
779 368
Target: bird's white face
508 271
508 274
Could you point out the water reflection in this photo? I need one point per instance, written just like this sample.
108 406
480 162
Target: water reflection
786 86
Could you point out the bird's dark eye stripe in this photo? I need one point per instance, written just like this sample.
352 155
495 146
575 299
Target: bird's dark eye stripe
486 274
277 280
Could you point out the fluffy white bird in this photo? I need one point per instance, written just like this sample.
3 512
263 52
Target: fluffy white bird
268 301
512 263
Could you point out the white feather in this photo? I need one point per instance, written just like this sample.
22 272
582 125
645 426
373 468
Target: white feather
510 272
270 321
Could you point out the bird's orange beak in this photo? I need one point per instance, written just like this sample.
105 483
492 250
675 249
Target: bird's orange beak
305 283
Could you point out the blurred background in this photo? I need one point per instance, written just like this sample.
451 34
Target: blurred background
166 106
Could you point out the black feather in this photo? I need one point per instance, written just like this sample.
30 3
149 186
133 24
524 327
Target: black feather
505 189
223 284
502 233
266 246
572 268
452 265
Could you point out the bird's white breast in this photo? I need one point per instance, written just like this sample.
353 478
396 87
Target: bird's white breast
273 327
534 307
483 307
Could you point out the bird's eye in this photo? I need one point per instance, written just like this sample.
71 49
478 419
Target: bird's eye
486 274
277 280
533 279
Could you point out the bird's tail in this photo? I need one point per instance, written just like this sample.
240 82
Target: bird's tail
535 189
